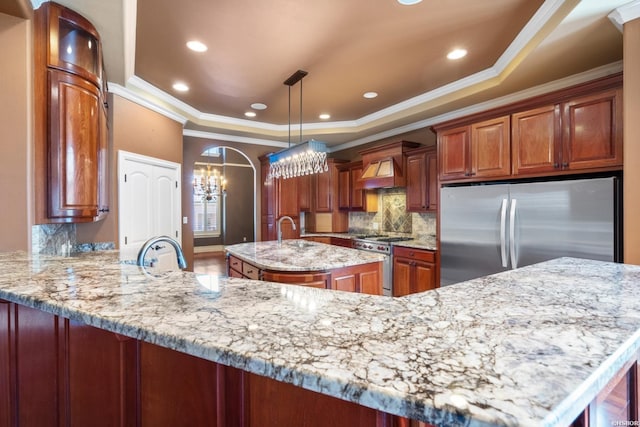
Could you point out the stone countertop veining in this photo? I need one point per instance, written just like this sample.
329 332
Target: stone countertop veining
530 347
300 255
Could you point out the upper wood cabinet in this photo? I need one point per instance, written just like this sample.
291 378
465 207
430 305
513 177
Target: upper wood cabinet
71 130
351 194
422 180
578 129
480 150
304 193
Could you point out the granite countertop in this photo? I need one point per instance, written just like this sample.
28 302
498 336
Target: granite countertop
530 347
427 242
300 255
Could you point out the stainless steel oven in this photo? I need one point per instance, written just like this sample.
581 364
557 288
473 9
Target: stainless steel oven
383 245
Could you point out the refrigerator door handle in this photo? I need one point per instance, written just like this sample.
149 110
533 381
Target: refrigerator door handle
503 233
512 233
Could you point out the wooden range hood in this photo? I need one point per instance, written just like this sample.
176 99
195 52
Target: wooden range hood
384 165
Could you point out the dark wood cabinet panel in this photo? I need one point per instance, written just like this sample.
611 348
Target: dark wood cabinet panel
317 280
287 197
344 189
592 131
352 196
74 144
536 138
490 148
304 193
453 153
7 366
414 270
422 180
70 120
176 388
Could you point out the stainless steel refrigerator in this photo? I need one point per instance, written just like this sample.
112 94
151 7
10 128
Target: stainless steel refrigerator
485 229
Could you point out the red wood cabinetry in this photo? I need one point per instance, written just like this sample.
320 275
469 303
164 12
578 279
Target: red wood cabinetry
422 180
71 130
574 130
414 270
351 194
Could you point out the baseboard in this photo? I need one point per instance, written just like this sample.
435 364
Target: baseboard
210 248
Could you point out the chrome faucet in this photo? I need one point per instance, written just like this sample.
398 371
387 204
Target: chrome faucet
154 243
279 227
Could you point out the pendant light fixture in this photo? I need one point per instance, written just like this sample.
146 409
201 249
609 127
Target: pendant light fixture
304 158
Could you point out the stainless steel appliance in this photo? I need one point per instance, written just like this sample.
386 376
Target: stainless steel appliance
485 229
381 244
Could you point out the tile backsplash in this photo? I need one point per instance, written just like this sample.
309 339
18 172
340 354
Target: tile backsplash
392 217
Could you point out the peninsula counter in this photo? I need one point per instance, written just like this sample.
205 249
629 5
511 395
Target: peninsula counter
529 347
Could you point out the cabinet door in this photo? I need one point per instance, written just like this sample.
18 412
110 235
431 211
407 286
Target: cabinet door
416 183
74 118
401 276
424 277
288 200
453 153
344 189
304 193
344 282
323 191
592 136
536 140
490 148
432 182
358 199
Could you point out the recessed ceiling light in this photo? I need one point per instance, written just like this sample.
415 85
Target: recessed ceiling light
370 94
324 116
197 46
409 2
250 114
180 87
258 106
457 54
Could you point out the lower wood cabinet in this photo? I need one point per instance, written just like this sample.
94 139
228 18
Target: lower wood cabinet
364 278
414 270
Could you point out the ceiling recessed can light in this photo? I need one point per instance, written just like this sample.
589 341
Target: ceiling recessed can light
259 106
180 87
324 116
250 114
409 2
197 46
370 95
457 54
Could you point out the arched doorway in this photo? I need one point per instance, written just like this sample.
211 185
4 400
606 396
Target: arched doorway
229 214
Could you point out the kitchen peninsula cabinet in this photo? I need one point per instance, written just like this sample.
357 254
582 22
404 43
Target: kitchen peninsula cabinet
71 131
422 180
414 270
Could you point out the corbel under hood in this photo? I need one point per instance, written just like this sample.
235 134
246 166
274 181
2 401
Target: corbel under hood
384 165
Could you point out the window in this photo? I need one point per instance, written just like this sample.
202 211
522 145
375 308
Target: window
206 216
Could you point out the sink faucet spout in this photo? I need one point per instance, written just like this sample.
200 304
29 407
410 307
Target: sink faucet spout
279 227
153 243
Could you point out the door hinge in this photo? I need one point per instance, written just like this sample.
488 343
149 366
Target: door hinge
176 184
176 234
125 177
125 240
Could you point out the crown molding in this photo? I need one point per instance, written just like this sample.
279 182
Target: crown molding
624 14
125 93
233 138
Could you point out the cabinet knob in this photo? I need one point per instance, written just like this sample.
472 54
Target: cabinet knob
555 165
565 164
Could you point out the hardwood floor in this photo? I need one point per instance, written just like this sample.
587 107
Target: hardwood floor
213 263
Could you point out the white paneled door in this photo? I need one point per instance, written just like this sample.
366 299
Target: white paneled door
149 199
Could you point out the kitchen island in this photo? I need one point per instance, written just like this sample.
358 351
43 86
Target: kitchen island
529 347
307 263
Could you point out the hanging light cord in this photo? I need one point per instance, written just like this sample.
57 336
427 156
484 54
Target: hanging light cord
300 141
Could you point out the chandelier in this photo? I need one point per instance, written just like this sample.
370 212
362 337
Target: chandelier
304 158
209 184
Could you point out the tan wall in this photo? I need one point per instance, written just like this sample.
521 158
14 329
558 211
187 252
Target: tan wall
632 142
138 130
15 122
